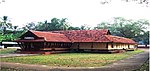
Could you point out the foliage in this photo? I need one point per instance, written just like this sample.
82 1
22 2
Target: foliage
6 37
143 37
10 36
74 28
144 67
30 26
8 32
85 27
132 29
4 24
7 51
72 59
55 24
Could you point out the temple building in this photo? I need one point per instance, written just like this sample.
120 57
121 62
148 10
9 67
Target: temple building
73 41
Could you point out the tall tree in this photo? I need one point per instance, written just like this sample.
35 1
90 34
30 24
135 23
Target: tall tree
55 24
5 24
85 27
46 25
74 28
64 24
127 28
15 28
30 26
40 26
103 25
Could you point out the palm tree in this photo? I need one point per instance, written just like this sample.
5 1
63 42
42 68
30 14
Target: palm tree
55 24
4 24
63 23
15 28
46 24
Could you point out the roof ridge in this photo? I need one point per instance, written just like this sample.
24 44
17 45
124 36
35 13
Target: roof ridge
107 37
80 30
100 35
115 39
120 37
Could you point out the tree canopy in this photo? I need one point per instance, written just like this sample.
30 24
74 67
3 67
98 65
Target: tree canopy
55 24
132 29
7 30
4 24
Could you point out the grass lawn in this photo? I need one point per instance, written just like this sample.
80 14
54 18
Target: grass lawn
7 50
72 59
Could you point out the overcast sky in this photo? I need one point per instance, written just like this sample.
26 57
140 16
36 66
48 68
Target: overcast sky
78 12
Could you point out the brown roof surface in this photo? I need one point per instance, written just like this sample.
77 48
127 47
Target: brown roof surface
51 37
118 39
102 35
84 35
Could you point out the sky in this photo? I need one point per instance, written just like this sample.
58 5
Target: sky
78 12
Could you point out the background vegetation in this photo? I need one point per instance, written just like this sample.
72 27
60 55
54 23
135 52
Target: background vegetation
7 51
133 29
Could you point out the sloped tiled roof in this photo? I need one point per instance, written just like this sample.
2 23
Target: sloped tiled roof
84 35
117 39
51 37
102 35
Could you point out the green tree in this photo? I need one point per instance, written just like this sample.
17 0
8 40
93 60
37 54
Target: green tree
39 26
15 29
8 31
30 26
144 37
132 29
103 25
64 24
55 24
85 27
5 24
1 31
74 28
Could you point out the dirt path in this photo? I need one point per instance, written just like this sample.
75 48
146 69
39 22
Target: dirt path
129 64
14 55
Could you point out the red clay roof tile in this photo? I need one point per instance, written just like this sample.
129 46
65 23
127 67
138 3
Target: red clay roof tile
102 35
51 37
84 35
117 39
